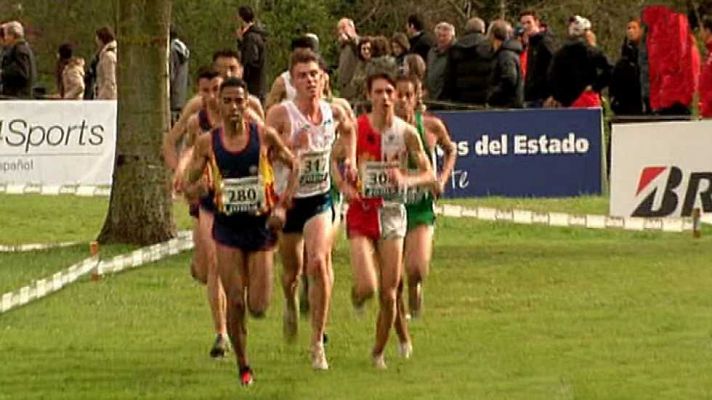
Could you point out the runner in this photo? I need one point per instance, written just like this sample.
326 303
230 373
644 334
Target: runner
203 266
283 87
227 64
376 220
419 203
246 213
309 125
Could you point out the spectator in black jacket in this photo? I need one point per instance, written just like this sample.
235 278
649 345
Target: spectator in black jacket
251 44
578 69
541 46
625 91
470 66
507 86
420 40
18 71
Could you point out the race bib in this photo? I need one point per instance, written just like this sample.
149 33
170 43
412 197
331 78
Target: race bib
417 194
377 182
314 172
243 195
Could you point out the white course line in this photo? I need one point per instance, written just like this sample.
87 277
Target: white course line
55 190
46 286
555 219
20 248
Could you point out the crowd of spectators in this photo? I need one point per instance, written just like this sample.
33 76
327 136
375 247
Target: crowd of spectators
495 64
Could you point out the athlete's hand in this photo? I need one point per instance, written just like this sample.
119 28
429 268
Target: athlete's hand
350 171
438 188
400 179
349 192
276 220
178 182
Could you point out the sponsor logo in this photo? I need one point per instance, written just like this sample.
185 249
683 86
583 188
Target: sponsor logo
662 188
21 135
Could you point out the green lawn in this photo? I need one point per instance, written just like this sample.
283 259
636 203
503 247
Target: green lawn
511 312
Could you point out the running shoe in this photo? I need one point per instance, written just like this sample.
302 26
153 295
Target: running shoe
246 376
318 356
220 347
379 361
405 349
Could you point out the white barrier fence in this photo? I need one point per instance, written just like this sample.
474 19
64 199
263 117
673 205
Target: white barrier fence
567 220
46 286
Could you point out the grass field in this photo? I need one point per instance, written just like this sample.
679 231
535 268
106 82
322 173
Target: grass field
511 312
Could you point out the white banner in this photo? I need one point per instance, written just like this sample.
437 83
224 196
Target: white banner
57 142
661 169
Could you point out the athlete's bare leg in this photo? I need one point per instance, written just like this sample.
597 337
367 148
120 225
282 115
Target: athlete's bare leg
198 268
215 291
363 269
317 241
418 252
259 285
390 259
291 251
232 264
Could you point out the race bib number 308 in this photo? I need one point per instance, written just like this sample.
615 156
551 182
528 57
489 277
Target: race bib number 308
376 181
243 195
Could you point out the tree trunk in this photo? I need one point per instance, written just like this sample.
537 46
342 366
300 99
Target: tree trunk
140 209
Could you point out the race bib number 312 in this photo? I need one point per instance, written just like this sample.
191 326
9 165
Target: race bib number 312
243 195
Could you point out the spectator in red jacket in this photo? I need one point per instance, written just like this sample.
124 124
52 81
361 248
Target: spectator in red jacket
706 76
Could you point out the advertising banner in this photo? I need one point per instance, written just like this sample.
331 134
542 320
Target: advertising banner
57 142
661 169
526 153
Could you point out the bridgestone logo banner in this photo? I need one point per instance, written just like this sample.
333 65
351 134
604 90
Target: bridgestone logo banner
661 169
57 142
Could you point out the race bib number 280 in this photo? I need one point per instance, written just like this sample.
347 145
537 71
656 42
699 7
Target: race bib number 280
376 181
243 195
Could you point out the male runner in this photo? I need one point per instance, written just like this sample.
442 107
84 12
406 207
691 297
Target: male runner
246 213
227 64
309 126
203 266
283 87
419 203
376 219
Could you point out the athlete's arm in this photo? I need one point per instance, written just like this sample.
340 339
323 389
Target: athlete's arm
347 134
255 109
175 135
276 94
276 117
424 176
339 153
438 128
282 153
192 188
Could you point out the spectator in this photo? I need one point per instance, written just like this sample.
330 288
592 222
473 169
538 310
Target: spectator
470 65
625 91
400 48
2 49
73 79
251 43
178 73
706 76
414 66
348 55
381 59
437 60
579 71
507 85
18 63
64 54
541 46
519 34
420 40
357 86
106 88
